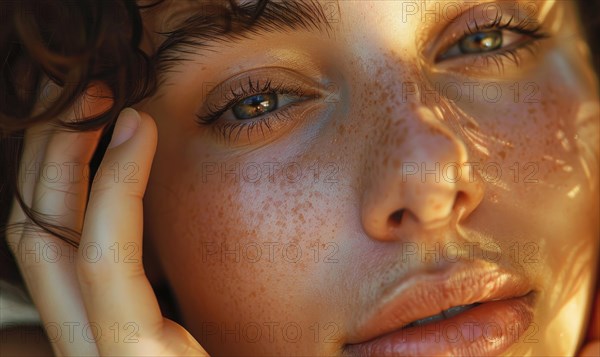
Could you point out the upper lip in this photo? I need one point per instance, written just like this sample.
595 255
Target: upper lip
428 294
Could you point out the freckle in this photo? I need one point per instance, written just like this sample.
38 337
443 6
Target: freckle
396 164
341 129
502 154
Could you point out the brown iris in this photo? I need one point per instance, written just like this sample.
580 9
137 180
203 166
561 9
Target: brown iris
255 105
481 42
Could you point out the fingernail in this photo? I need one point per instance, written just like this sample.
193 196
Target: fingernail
127 124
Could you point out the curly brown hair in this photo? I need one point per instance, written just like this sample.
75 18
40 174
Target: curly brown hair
75 43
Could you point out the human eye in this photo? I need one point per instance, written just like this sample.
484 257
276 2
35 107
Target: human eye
253 105
482 41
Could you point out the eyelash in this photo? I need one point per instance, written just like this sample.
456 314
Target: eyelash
252 87
511 54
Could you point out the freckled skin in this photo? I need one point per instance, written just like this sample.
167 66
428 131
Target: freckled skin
227 244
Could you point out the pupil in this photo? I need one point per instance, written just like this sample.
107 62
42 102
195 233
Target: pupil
481 42
254 106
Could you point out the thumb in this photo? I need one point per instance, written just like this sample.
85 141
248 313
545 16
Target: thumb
115 289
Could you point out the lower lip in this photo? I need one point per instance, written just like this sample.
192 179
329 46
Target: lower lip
488 329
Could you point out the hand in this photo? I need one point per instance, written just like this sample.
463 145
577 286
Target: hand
96 301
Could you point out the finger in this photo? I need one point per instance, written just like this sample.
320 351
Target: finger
62 189
37 137
34 145
45 261
116 291
60 196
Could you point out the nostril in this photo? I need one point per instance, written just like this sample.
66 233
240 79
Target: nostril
459 199
396 217
460 202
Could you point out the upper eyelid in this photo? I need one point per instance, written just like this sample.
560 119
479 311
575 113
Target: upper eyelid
281 77
471 19
271 74
534 34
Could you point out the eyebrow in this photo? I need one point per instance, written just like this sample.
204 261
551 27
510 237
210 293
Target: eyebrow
213 24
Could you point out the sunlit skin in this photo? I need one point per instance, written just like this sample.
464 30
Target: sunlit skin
327 188
374 64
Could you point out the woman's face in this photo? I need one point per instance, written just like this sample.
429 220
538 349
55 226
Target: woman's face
322 182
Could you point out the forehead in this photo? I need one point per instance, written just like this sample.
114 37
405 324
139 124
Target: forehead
342 16
171 9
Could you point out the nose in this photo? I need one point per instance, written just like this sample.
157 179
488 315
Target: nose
423 180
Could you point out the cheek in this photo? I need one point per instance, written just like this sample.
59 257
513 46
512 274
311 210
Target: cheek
541 197
240 236
534 143
541 200
530 158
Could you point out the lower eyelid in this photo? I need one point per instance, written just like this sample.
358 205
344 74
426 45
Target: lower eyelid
233 131
492 63
281 104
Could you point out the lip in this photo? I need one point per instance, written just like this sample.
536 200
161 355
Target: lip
506 311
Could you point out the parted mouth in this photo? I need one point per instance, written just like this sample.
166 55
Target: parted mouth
432 297
444 315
